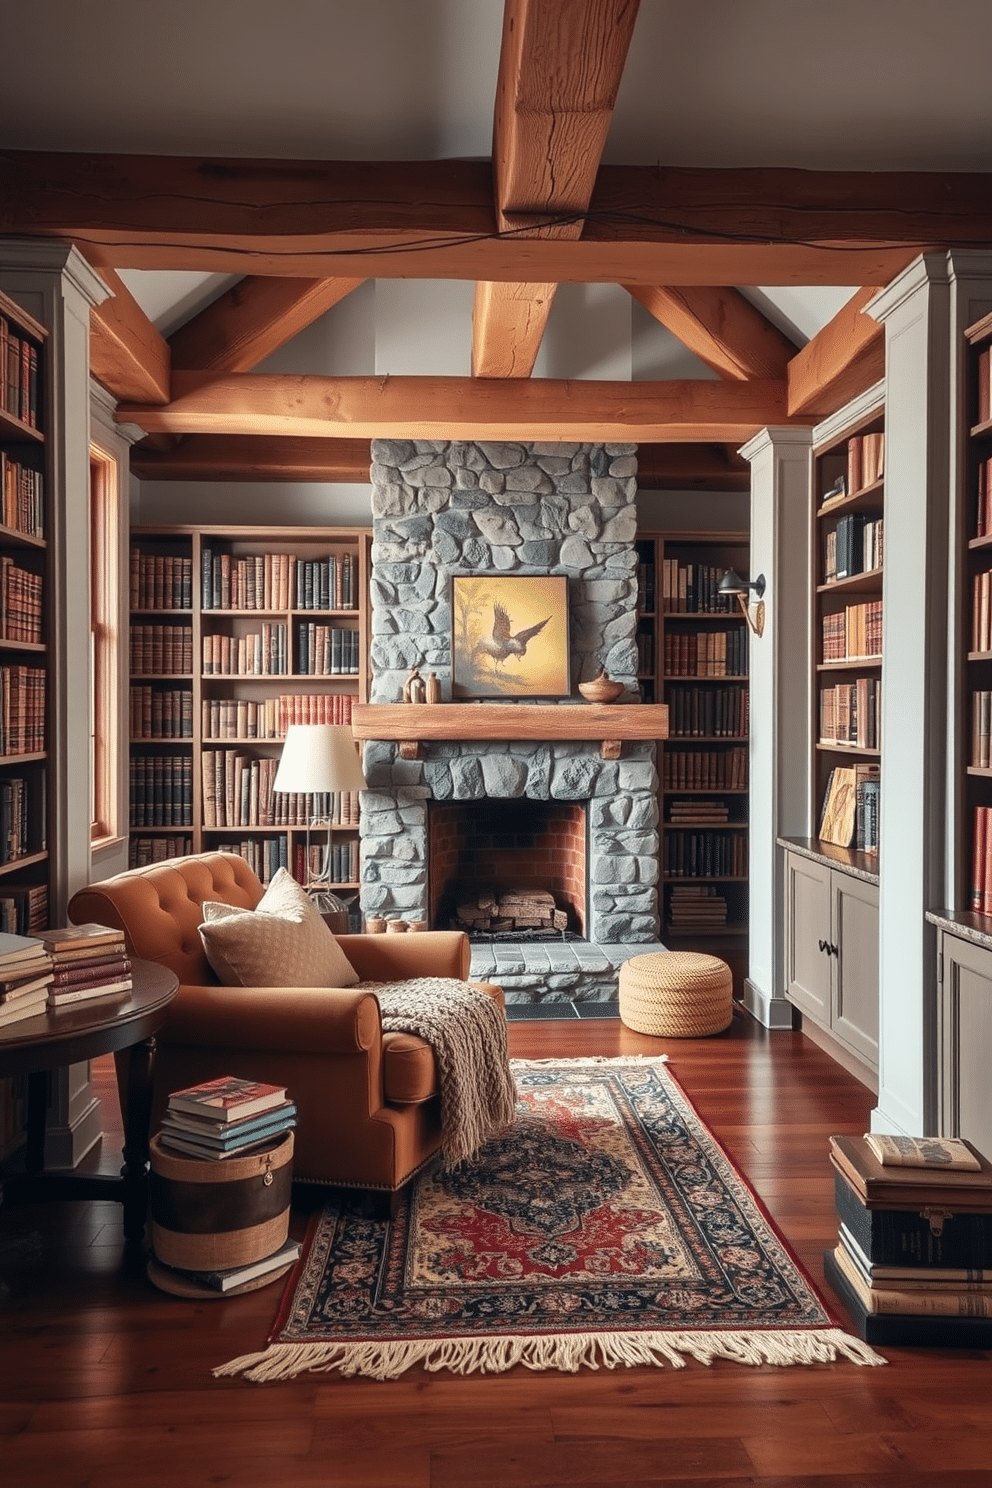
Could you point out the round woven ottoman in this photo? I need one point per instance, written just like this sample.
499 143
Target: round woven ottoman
676 994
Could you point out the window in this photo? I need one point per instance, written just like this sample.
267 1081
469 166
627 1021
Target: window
104 645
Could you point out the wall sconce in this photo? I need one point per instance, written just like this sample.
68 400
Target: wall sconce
732 583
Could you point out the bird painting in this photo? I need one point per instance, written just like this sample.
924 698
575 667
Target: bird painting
509 636
503 645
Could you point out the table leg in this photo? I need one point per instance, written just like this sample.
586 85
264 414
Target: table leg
37 1118
134 1084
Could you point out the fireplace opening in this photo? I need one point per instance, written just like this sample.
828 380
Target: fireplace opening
508 869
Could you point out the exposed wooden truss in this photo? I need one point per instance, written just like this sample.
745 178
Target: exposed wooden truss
723 329
844 359
253 319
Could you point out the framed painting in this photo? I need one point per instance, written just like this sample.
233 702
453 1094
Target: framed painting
509 636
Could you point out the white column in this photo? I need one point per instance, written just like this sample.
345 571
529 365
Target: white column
780 671
914 309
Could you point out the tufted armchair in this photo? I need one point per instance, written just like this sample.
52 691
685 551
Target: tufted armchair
368 1102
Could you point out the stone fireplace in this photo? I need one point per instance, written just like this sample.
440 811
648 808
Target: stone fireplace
446 508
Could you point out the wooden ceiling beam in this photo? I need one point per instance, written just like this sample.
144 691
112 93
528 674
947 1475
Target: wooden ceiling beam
252 320
842 360
436 219
691 467
128 357
464 408
559 70
244 457
720 327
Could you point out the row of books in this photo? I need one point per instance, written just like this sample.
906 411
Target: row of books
160 712
327 651
264 855
706 653
704 769
23 909
646 598
705 854
851 713
278 581
160 581
696 907
914 1251
693 588
981 861
981 611
22 817
144 850
161 650
22 710
850 814
336 864
983 515
261 653
160 790
60 968
20 603
854 546
268 718
19 391
689 811
865 466
981 729
316 808
853 632
238 791
645 652
708 712
23 493
984 408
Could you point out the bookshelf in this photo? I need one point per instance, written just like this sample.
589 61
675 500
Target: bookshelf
693 655
975 893
237 632
24 650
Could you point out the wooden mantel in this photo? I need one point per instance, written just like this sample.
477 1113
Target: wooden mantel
411 724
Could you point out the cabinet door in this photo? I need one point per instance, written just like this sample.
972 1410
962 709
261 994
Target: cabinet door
965 1025
854 916
807 928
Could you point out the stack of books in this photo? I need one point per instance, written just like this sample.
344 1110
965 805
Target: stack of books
88 961
25 978
226 1117
913 1262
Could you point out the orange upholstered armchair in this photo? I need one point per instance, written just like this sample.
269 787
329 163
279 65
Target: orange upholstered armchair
368 1103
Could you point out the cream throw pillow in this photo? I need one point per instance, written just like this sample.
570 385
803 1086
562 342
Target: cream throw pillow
282 942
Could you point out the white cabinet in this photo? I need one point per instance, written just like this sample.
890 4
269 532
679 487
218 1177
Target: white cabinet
832 952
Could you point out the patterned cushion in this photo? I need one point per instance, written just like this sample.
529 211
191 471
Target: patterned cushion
282 942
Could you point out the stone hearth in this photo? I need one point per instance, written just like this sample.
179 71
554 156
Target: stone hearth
441 509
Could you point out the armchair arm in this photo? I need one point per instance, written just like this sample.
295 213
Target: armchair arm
393 958
311 1020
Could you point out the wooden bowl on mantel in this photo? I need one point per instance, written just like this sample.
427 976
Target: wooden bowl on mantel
601 689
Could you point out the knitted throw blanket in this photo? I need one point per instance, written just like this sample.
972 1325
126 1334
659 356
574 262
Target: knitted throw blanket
467 1031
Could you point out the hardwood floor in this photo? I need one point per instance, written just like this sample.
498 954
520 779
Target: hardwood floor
105 1381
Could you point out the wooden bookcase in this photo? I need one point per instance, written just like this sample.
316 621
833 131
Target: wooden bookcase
25 593
235 632
848 551
975 894
693 655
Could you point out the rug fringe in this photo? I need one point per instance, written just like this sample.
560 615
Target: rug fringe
569 1353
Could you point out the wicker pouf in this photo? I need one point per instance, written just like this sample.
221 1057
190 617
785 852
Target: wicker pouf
676 994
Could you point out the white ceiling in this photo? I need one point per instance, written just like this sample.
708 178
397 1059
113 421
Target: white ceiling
866 84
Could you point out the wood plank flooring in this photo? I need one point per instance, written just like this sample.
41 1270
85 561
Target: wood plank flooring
105 1381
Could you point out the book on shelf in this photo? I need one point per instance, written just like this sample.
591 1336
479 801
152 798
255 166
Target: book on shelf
922 1236
894 1150
237 1276
981 728
915 1298
837 817
834 493
228 1097
906 1188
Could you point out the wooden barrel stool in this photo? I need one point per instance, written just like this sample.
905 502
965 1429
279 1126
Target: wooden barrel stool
676 994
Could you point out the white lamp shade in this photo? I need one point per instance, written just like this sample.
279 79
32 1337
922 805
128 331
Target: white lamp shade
319 757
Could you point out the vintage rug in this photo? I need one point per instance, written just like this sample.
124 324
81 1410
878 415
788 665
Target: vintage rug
605 1227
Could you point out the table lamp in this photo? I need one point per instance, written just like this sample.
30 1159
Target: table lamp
319 759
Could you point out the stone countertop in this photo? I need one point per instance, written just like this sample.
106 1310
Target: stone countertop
857 864
965 924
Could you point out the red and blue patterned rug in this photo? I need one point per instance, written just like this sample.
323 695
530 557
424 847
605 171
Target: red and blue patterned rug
605 1227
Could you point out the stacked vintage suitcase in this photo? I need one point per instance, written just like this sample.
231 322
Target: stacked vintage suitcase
913 1262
